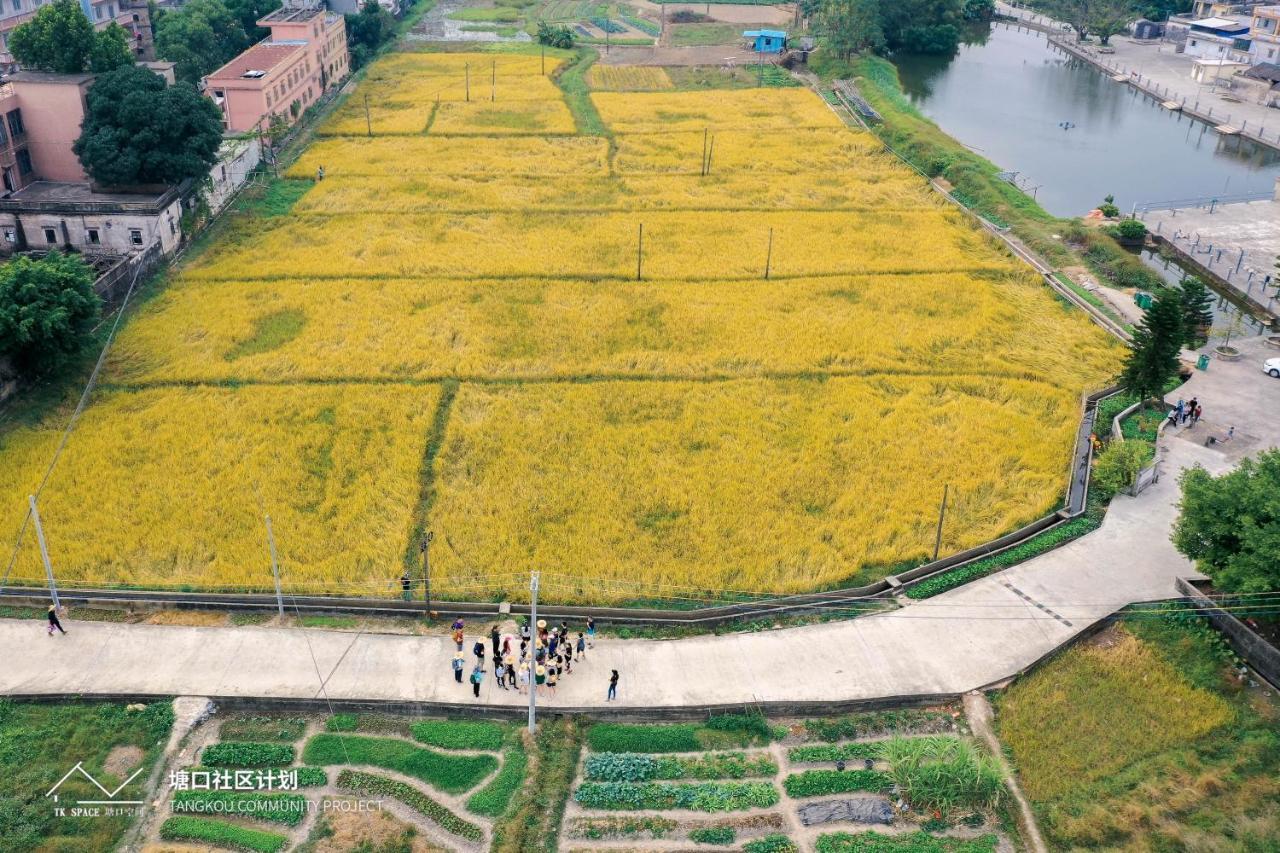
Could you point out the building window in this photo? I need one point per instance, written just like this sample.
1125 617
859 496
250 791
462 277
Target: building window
135 236
17 5
24 162
92 237
16 127
50 236
10 235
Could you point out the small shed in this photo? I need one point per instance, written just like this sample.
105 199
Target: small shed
766 41
1145 30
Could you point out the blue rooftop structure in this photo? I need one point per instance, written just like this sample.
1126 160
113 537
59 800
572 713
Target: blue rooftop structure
767 41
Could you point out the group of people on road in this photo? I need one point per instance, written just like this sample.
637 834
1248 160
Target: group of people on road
1185 411
537 659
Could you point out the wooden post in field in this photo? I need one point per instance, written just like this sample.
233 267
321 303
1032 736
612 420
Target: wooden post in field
544 60
640 252
710 153
768 258
942 513
368 123
703 171
467 68
493 81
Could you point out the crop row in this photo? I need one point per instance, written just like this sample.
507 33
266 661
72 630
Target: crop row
369 784
841 752
451 773
816 783
637 767
247 754
221 834
703 796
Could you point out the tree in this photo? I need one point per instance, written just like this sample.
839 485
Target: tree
111 49
979 10
555 36
1197 312
367 31
47 307
922 26
1109 17
138 131
201 37
1230 525
1157 340
249 12
59 39
850 26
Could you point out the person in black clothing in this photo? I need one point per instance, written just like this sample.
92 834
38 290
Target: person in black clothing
478 651
613 686
495 638
53 621
406 586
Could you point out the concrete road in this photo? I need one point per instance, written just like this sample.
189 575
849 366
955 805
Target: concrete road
973 636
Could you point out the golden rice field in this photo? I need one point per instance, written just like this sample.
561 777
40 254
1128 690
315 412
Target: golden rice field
448 333
628 78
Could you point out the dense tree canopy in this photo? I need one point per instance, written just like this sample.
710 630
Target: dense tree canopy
918 26
201 37
367 31
139 131
1230 525
61 40
249 12
47 308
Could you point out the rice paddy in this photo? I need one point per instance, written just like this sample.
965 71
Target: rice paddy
614 358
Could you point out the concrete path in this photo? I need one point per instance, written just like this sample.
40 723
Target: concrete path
971 637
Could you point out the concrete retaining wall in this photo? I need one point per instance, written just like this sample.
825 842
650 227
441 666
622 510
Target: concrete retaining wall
1260 654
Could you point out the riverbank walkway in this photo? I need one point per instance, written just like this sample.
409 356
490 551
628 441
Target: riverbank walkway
1155 68
1237 243
971 637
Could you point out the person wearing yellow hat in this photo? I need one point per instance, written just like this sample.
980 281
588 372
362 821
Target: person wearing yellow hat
540 678
458 664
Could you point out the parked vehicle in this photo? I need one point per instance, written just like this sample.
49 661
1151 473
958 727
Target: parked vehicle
1271 367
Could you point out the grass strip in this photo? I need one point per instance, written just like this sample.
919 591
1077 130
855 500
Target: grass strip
453 774
816 783
533 824
263 728
287 809
916 842
572 80
493 799
357 782
221 834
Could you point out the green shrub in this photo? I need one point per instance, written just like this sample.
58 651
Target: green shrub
451 773
1131 229
1116 467
617 737
713 835
843 752
815 783
288 809
754 724
262 728
492 800
770 844
312 777
942 773
703 796
458 734
221 834
247 754
637 767
357 782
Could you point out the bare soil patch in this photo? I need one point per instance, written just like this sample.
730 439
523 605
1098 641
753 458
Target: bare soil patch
122 760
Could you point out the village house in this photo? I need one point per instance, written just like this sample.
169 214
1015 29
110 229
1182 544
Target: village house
133 15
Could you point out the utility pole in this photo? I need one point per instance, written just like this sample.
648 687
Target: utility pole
768 258
368 123
44 552
467 68
275 565
493 81
425 548
704 139
533 651
942 513
544 60
640 252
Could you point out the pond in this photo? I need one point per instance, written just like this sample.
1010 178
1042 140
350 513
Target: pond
1006 95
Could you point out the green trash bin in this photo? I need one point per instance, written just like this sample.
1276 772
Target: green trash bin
1143 299
1202 363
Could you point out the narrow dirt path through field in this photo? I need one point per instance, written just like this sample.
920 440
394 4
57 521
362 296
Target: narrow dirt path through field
978 710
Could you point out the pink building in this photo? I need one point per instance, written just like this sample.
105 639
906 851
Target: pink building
284 74
130 14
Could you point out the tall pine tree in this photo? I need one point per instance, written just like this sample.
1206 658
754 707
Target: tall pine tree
1157 340
1197 312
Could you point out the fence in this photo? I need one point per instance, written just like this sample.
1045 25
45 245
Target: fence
114 283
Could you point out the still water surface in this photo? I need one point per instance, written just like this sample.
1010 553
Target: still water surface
1005 95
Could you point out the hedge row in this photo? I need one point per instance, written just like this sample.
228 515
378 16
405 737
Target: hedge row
247 754
367 783
451 773
221 834
703 796
638 767
815 783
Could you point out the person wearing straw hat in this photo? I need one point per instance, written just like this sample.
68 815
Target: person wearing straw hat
524 675
539 678
53 621
458 664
